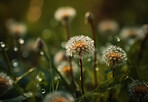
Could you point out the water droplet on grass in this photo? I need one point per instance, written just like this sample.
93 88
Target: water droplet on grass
21 41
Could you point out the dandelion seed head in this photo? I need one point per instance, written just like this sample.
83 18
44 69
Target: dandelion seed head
64 13
131 32
17 28
5 83
108 25
114 54
138 89
64 68
80 46
59 97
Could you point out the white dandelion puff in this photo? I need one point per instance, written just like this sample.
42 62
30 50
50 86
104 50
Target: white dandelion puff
64 68
138 89
80 46
108 25
59 96
114 55
5 83
64 13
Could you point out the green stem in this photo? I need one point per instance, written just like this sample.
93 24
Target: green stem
95 53
69 58
8 64
81 76
48 59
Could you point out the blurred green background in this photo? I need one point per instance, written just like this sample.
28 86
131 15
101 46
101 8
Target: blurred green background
38 15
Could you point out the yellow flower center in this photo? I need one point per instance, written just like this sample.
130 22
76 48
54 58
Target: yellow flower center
140 89
114 55
79 45
59 99
66 71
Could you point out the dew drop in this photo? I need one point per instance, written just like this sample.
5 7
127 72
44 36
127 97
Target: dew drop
15 49
97 69
21 41
39 78
43 91
118 39
42 53
89 59
15 64
80 77
2 44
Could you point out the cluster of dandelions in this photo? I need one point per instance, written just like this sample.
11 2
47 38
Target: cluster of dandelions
80 46
114 55
5 83
138 89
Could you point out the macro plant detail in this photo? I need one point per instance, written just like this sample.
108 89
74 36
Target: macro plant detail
44 59
138 89
114 56
80 46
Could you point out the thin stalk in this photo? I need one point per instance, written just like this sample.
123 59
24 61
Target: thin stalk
68 37
110 97
48 59
8 64
24 75
113 74
95 54
142 46
113 70
140 99
81 76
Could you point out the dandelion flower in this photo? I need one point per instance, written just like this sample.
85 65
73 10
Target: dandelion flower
114 55
5 83
59 97
65 13
108 25
138 89
131 32
64 68
16 28
80 46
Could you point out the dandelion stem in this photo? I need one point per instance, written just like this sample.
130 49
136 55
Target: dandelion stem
113 69
142 48
140 99
8 63
95 53
81 75
51 66
69 58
